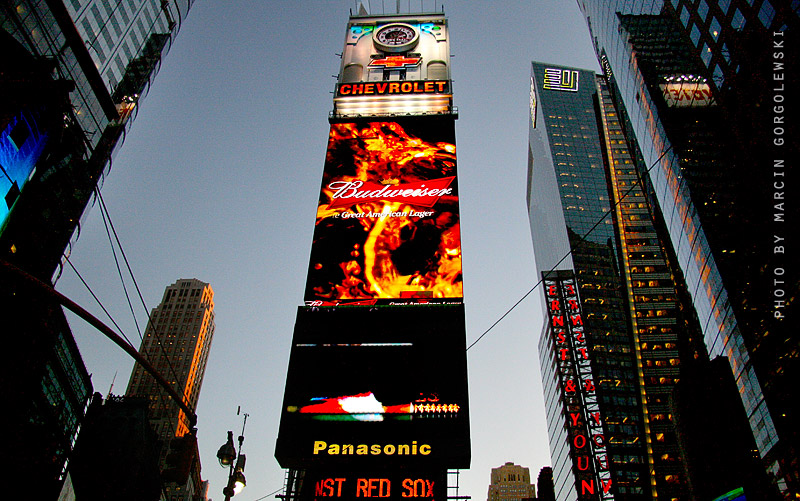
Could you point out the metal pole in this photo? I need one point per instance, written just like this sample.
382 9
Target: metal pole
109 333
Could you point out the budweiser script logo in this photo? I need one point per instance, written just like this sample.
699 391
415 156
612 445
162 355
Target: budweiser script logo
421 193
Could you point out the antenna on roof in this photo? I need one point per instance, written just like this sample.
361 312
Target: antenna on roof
112 384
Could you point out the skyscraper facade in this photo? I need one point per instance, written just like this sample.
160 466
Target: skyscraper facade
701 89
45 386
567 197
71 76
511 482
617 336
177 343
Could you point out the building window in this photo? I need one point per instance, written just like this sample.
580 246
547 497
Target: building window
695 35
719 77
726 53
685 16
724 5
702 10
705 53
766 14
714 28
738 20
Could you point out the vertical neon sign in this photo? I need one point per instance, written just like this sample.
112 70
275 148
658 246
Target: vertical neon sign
578 390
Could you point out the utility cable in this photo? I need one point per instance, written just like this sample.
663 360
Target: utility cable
270 494
106 218
594 227
124 256
104 209
97 299
110 226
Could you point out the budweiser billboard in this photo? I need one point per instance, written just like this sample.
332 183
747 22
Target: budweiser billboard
376 388
387 227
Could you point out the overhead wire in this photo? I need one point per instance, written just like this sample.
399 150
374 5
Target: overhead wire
156 335
609 212
100 303
270 494
106 219
107 216
110 229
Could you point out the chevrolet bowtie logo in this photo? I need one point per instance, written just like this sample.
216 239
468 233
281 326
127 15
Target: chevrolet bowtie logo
396 62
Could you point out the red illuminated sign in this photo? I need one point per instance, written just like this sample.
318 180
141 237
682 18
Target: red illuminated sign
573 361
386 485
389 88
684 91
395 61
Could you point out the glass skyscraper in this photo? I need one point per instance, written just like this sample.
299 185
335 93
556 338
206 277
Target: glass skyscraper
701 88
77 70
72 73
567 196
593 225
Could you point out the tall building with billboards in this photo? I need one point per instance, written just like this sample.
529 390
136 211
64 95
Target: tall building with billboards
617 337
177 342
376 390
702 91
71 76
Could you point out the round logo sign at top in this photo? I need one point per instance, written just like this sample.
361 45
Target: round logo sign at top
395 37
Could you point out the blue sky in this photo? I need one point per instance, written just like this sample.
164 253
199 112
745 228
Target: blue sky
218 180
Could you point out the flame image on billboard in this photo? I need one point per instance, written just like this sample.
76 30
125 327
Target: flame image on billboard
387 226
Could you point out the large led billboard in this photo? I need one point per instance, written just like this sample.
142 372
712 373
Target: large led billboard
387 227
371 386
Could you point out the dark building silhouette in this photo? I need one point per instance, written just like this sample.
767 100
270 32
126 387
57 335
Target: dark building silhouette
714 436
45 388
545 490
116 455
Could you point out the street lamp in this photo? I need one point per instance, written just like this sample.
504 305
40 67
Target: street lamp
228 457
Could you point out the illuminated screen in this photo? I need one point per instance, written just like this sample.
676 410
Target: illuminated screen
391 485
734 495
370 386
21 144
687 94
387 227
